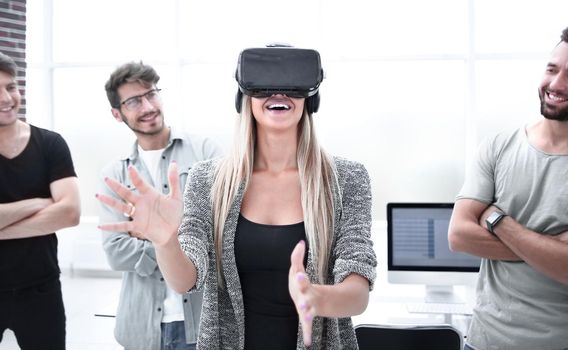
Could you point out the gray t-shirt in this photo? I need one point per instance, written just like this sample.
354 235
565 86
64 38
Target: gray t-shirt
518 307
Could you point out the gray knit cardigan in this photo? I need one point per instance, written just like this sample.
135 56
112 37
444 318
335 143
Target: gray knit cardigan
222 318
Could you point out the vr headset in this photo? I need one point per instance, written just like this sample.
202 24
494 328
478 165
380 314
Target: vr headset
289 71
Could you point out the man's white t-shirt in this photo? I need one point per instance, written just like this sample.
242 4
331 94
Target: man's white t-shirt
173 305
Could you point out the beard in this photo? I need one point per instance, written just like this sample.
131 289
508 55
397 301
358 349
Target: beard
552 112
153 131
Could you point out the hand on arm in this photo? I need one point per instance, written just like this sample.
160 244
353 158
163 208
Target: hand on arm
11 213
468 236
158 217
512 241
345 299
65 211
562 237
547 254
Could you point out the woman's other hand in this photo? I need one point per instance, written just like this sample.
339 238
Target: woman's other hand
302 292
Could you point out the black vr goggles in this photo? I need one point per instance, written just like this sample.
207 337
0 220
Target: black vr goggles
288 71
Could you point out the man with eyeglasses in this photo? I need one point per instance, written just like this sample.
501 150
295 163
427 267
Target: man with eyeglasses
150 315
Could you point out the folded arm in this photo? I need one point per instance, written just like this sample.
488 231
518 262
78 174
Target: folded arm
512 241
127 253
465 234
65 211
11 213
543 252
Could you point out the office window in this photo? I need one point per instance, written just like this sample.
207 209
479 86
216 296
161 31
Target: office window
515 27
409 91
394 28
113 30
217 30
506 90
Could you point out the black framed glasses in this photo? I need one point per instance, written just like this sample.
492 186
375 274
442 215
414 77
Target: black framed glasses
135 102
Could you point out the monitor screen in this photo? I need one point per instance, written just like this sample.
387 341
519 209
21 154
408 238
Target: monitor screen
418 250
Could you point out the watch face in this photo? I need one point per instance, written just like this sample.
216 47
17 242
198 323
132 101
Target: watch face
492 220
494 217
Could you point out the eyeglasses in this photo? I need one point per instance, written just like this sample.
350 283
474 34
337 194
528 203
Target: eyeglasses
135 102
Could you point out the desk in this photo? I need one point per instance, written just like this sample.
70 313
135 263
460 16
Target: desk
387 306
387 302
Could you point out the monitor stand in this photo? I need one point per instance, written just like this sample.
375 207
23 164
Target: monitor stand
442 295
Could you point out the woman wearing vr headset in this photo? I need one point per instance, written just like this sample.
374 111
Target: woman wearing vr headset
277 233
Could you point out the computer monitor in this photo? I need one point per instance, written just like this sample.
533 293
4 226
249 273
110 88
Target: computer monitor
418 251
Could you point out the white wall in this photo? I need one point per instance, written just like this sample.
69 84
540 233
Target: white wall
411 86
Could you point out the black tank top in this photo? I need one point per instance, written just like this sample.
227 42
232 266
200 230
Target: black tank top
262 254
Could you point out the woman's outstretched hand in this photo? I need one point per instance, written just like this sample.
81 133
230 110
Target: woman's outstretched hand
302 292
155 216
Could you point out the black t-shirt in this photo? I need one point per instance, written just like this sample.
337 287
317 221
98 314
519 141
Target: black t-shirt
45 159
262 254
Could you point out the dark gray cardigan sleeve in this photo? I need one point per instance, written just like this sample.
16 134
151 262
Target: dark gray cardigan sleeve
353 250
196 230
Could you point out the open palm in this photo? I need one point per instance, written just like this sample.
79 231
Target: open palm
155 215
301 291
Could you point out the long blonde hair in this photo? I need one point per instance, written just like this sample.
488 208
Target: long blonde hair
317 178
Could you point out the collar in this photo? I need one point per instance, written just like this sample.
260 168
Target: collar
174 135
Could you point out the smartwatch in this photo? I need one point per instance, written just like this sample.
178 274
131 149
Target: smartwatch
493 219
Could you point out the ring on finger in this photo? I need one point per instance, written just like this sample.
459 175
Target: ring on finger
131 211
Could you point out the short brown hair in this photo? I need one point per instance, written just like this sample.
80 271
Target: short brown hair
564 36
7 65
128 73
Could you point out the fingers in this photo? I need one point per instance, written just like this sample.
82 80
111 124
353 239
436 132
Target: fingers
131 210
124 207
307 332
137 180
127 207
301 293
305 308
121 191
173 180
297 257
113 203
124 226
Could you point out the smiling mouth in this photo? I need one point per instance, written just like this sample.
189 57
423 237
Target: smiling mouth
278 107
6 109
555 98
149 117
